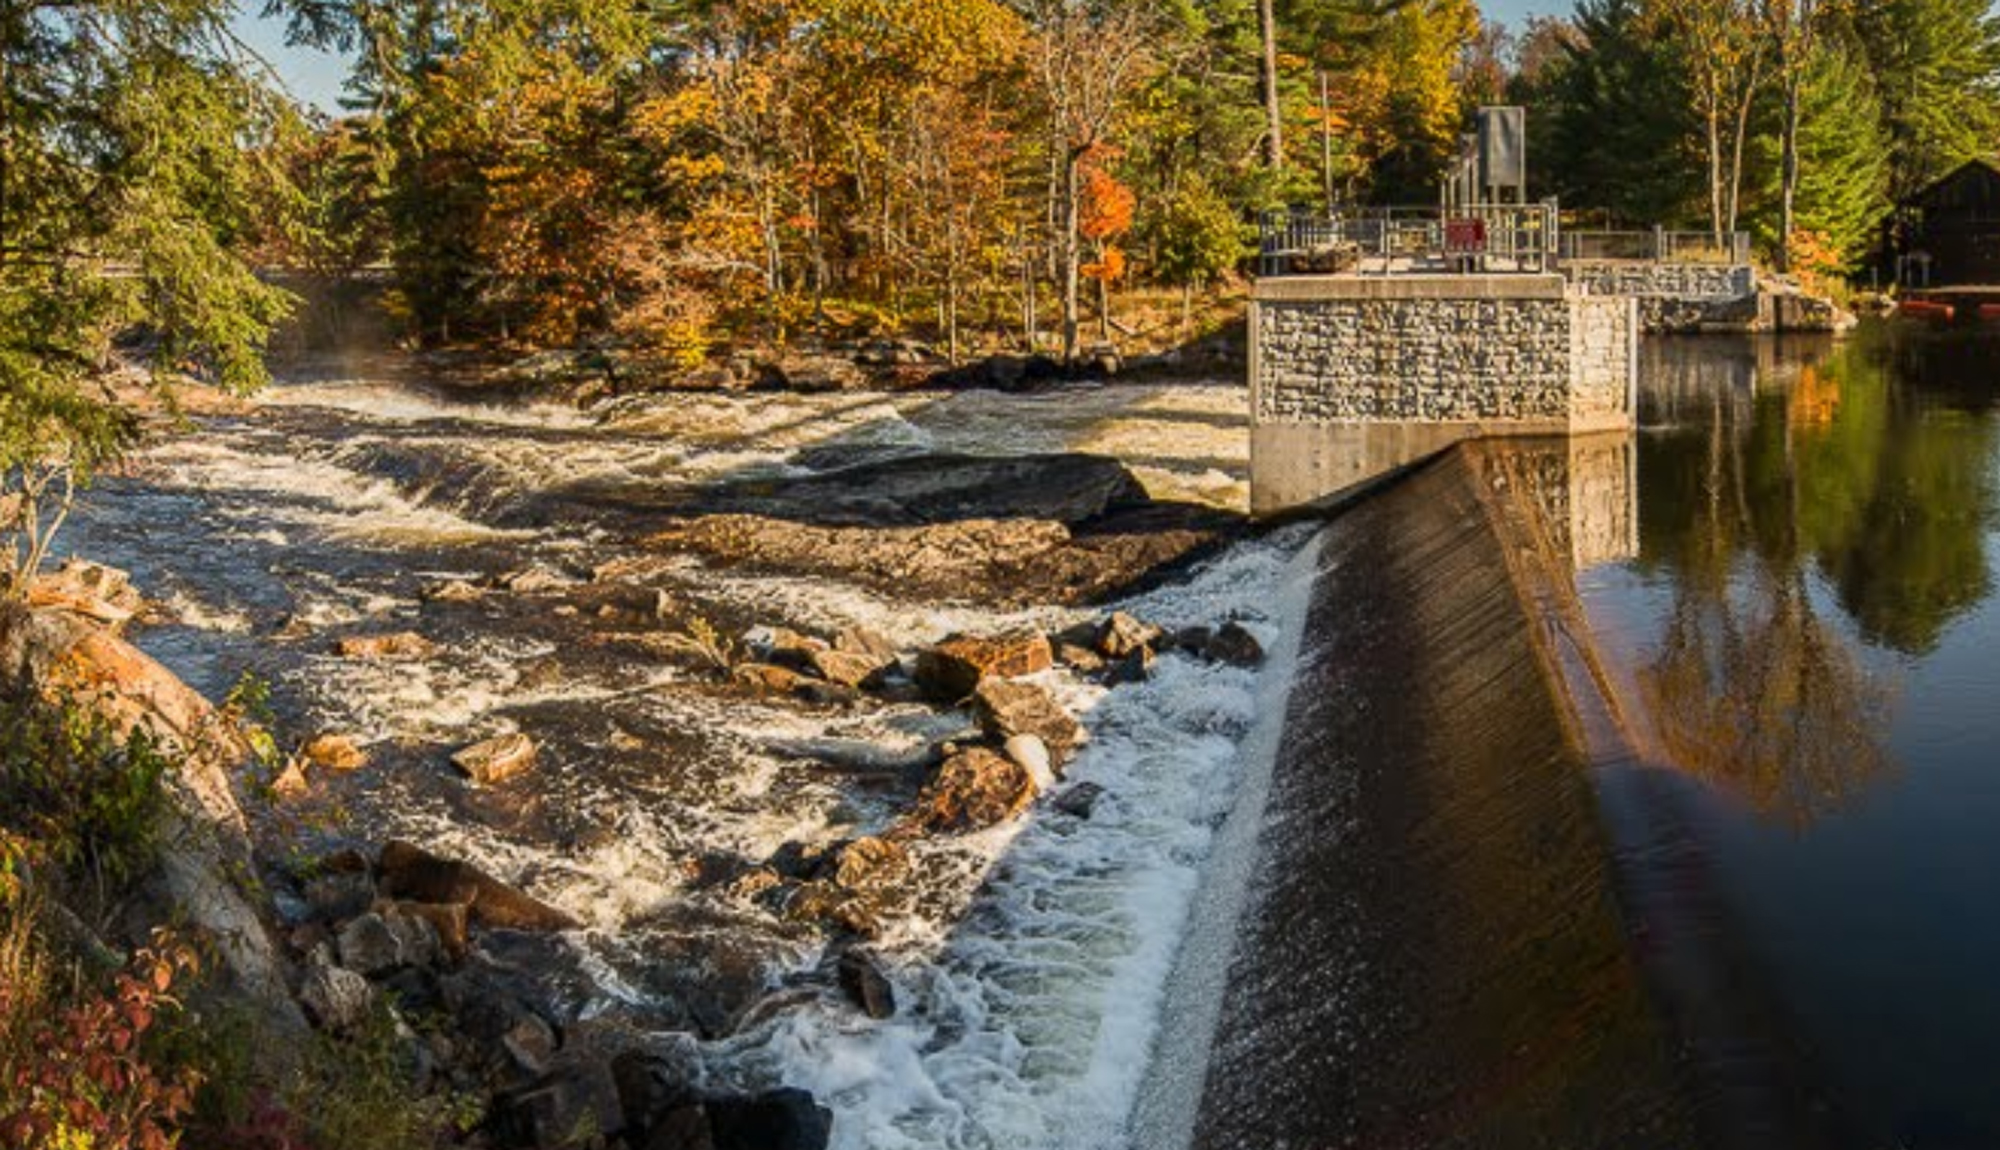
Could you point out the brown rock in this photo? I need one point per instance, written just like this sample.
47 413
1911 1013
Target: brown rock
866 986
954 668
847 669
862 641
398 645
1235 645
409 873
335 753
92 590
497 759
453 591
1121 634
1079 658
1135 667
973 789
1007 709
870 863
767 677
447 920
792 649
291 783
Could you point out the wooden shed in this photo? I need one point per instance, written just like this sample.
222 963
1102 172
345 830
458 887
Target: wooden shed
1948 235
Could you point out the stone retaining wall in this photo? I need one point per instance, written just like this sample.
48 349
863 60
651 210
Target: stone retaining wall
1644 278
1353 377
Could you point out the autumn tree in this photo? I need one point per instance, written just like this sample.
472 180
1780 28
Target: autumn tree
1087 59
130 144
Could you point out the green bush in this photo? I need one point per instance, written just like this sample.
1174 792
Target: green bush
87 800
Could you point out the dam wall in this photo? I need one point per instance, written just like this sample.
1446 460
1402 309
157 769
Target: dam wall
1428 952
1471 913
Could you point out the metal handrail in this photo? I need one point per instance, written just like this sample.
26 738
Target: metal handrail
1658 245
1482 237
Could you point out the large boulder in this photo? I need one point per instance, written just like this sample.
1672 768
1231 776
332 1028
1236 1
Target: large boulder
96 592
201 877
953 669
397 646
939 488
497 759
408 872
974 789
1006 709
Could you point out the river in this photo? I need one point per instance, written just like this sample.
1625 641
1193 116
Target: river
1799 624
1807 635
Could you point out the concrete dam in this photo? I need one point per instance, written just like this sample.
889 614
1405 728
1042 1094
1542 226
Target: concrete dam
1459 912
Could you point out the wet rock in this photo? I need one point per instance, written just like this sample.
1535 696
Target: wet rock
417 940
860 912
291 783
1235 645
799 861
338 1000
534 580
848 669
408 872
862 980
752 883
367 946
785 1119
1193 640
1136 667
453 591
940 488
96 592
334 753
954 668
1006 709
339 895
1120 635
1032 754
397 646
572 1107
447 923
530 1043
1079 658
972 790
497 759
864 642
767 678
827 694
1080 800
814 373
650 1088
870 863
785 647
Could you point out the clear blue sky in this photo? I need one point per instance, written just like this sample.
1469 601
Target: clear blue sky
316 77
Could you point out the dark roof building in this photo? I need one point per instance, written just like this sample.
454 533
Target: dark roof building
1948 235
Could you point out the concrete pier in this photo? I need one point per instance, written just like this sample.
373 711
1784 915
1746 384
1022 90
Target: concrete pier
1355 377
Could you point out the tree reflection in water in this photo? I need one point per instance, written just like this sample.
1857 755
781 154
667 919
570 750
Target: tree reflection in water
1801 503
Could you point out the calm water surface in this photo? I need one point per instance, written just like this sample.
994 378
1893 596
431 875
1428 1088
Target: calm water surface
1808 635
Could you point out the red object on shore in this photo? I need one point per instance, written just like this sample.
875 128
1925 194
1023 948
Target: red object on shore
1926 309
1989 311
1465 235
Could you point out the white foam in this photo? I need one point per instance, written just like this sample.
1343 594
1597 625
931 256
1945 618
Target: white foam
1028 1023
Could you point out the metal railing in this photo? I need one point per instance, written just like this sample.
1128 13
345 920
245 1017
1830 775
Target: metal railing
1478 237
1481 237
1658 245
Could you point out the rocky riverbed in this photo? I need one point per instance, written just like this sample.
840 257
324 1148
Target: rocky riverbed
759 768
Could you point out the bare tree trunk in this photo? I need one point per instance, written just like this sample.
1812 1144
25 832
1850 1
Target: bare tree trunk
1274 127
1715 169
1066 238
